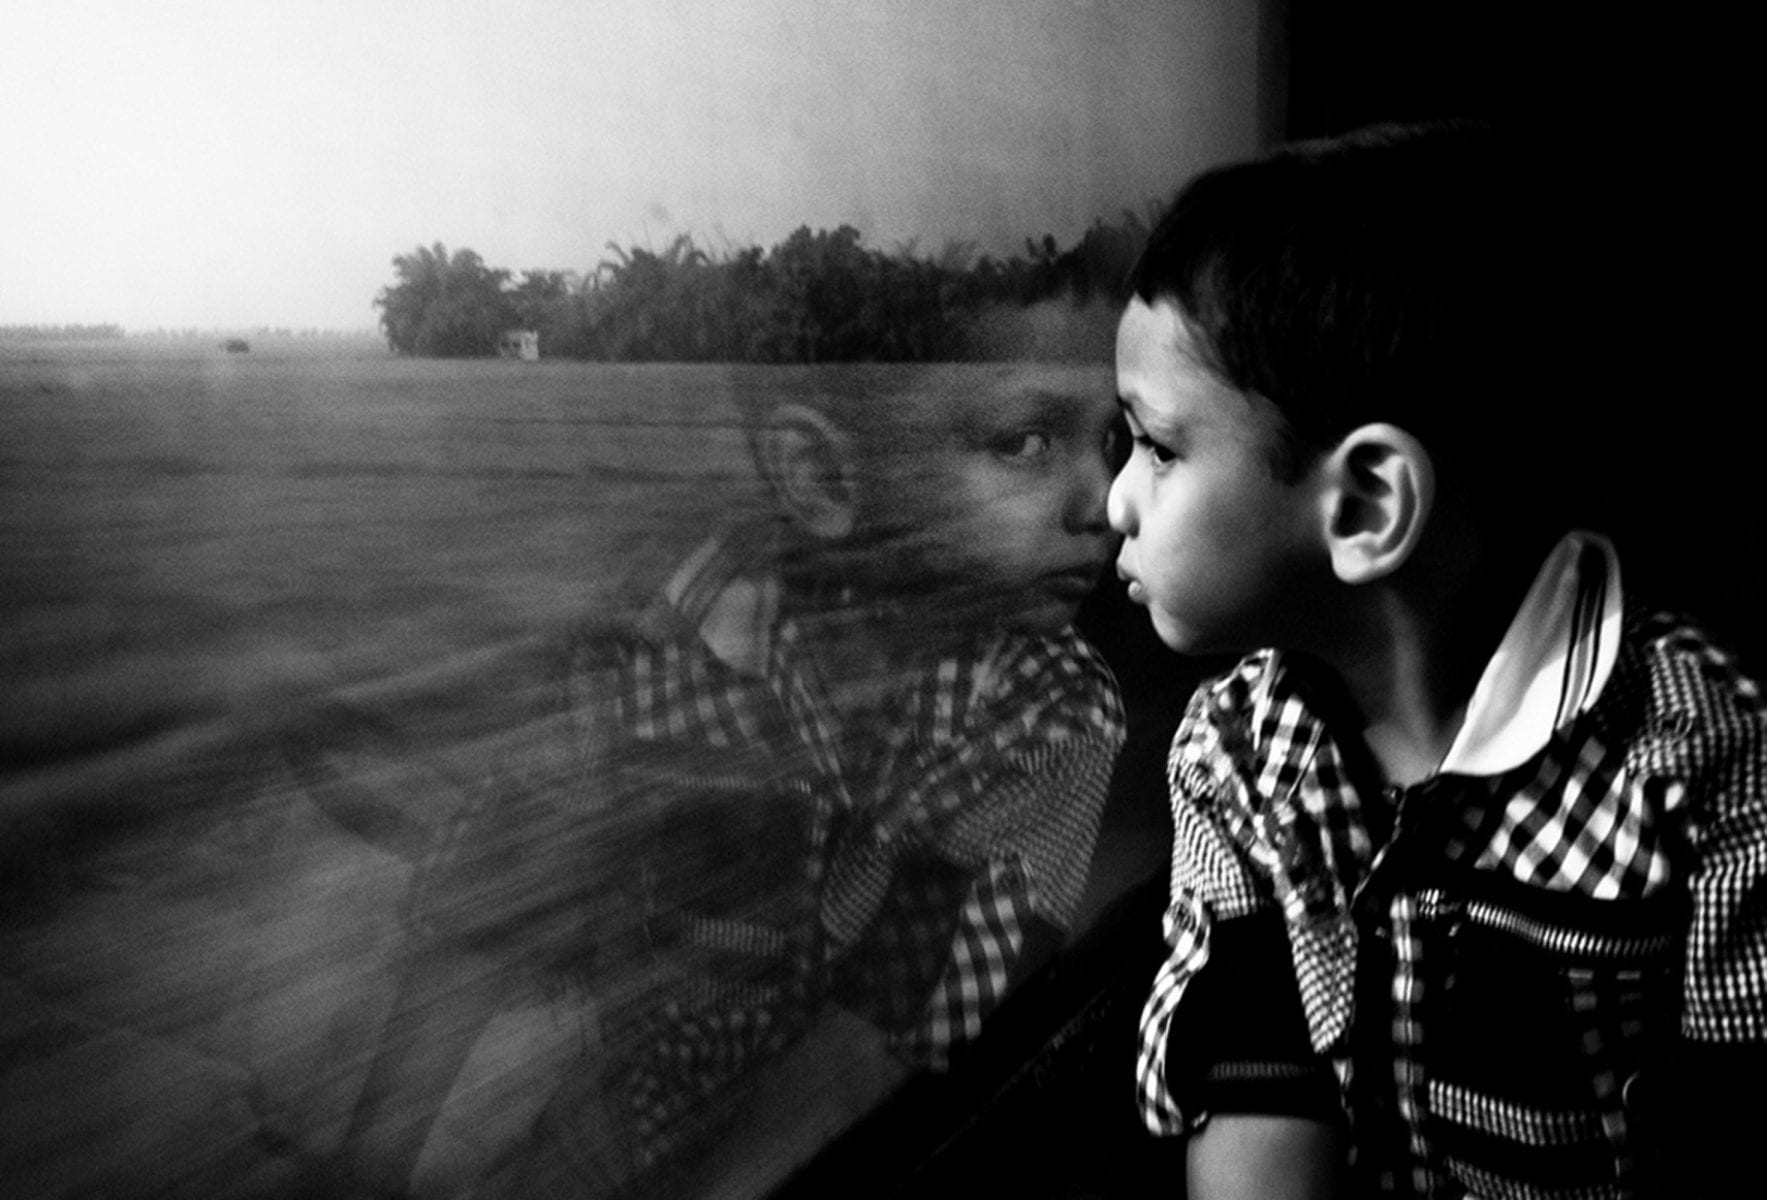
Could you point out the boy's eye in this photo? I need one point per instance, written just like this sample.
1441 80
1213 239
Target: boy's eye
1115 445
1160 454
1026 445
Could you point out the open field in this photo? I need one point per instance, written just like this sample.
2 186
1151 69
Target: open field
183 530
198 552
204 553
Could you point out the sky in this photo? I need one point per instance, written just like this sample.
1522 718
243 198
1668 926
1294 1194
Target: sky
237 164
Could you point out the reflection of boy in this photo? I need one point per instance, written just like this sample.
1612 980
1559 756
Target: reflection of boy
1476 854
844 774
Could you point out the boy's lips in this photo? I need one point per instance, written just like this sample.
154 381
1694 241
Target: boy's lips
1073 582
1137 592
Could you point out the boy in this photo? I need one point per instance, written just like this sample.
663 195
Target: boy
1469 877
827 799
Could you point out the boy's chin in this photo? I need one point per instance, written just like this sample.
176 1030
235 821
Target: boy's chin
1182 637
1030 613
1040 616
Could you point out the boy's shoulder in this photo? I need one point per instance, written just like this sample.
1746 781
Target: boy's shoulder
1679 699
1013 688
1682 653
1677 705
1670 673
718 634
719 597
1238 722
1242 697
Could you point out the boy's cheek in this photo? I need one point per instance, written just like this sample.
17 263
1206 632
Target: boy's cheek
1168 631
904 495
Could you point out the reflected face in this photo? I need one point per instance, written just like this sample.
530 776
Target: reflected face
1214 546
997 489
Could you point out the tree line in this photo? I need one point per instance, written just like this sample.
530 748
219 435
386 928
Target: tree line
59 333
817 296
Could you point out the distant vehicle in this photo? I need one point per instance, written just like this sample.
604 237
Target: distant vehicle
236 346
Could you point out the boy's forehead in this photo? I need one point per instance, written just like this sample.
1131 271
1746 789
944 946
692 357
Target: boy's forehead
969 396
1163 376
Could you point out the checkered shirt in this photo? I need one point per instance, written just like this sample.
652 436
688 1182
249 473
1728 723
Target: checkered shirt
894 868
1491 962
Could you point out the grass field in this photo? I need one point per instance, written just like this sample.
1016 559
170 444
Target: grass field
201 551
184 531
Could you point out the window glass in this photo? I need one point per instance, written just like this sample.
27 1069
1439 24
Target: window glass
540 553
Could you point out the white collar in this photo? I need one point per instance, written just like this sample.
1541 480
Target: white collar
734 608
1552 663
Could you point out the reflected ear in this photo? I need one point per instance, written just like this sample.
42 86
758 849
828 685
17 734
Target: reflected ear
807 460
1381 487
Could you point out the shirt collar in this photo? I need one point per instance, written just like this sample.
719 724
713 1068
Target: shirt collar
1552 663
725 594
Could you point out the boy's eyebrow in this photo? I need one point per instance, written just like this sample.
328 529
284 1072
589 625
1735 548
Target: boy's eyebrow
1169 430
1048 406
1046 398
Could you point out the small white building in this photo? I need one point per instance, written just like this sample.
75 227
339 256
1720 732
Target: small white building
520 343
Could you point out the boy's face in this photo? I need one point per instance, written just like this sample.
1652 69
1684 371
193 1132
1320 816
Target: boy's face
1224 556
993 492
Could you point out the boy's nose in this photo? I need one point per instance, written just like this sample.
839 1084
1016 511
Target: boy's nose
1118 510
1086 512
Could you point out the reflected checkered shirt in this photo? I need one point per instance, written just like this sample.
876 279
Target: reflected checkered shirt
930 839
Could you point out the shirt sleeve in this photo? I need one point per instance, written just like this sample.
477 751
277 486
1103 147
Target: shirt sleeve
525 865
1222 1029
1243 1044
993 929
510 870
1723 726
1015 750
1718 724
1025 858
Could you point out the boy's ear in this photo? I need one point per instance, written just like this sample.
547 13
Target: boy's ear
807 460
1380 490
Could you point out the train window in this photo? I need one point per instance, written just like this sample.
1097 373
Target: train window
559 627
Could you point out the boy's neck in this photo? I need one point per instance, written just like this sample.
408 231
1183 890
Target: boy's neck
863 650
1418 659
858 650
1411 687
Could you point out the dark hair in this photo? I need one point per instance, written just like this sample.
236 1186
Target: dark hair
1371 277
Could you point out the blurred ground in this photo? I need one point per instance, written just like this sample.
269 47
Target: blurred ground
207 558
